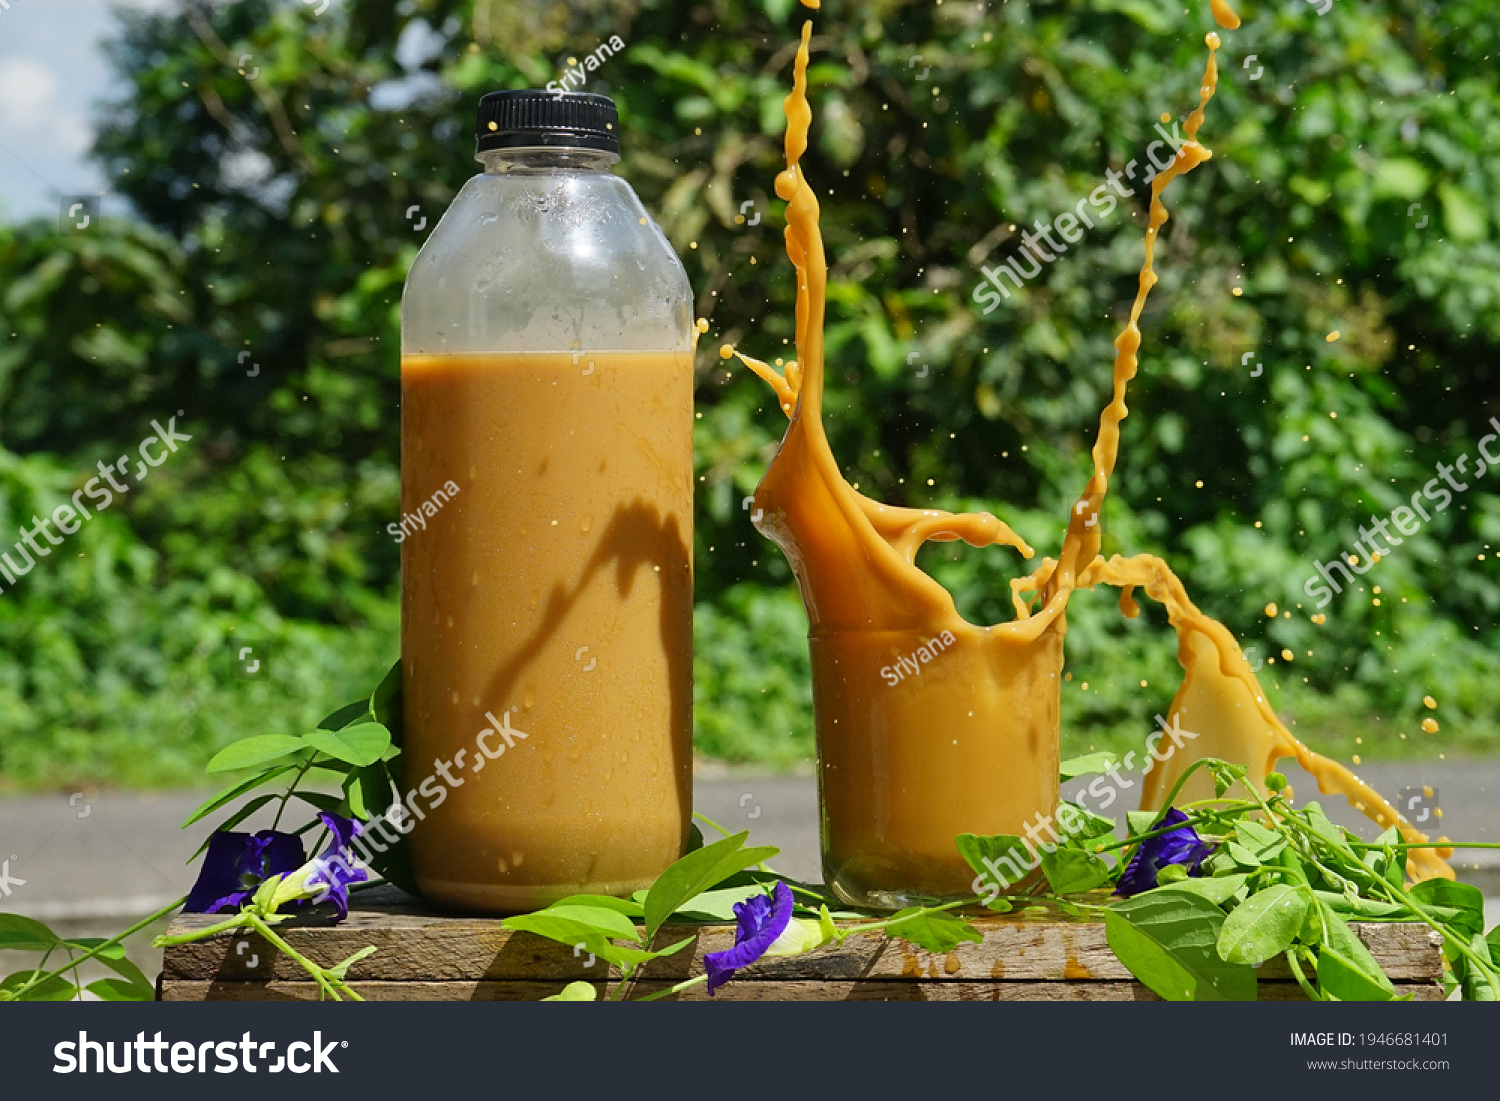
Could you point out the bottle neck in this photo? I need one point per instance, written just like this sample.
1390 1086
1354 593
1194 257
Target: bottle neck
499 162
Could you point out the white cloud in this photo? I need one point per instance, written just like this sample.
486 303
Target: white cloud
35 111
51 73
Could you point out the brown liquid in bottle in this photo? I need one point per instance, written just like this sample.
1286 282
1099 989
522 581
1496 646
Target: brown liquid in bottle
927 725
551 595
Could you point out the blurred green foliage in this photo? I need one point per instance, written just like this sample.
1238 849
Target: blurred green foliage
273 155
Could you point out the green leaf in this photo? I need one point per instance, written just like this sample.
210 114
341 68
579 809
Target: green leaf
341 969
1166 939
55 989
1005 851
933 930
698 872
1476 985
1255 835
233 792
369 791
1341 978
1087 765
1244 857
1390 863
584 935
1400 177
718 905
354 796
1218 889
24 934
128 971
1362 907
1264 925
1467 899
1463 213
1327 831
1141 821
345 715
244 812
385 703
394 865
609 921
573 992
1225 773
249 752
1255 845
1346 969
1070 871
1078 825
358 745
629 907
330 804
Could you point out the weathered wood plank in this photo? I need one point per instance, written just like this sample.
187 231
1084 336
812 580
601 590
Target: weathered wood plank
422 954
737 991
469 949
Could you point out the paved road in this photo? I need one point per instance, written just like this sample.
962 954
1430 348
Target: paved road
94 862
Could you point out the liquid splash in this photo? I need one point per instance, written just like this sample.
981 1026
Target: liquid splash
894 794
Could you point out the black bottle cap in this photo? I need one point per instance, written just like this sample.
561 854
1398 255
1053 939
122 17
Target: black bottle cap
532 119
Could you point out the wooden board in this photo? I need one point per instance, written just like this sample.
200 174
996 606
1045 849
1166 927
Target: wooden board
422 954
737 991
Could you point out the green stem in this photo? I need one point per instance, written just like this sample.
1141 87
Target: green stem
686 984
94 951
1430 844
235 922
840 935
73 967
325 982
297 779
711 822
1312 993
1137 838
626 973
1169 801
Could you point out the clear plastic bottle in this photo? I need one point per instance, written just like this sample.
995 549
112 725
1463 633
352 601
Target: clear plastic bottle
546 537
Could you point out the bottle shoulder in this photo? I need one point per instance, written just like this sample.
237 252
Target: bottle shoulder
529 258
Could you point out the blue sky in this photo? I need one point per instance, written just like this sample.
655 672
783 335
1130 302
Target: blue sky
52 71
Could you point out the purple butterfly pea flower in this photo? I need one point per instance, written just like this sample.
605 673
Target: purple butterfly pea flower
333 871
236 864
761 920
1179 846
